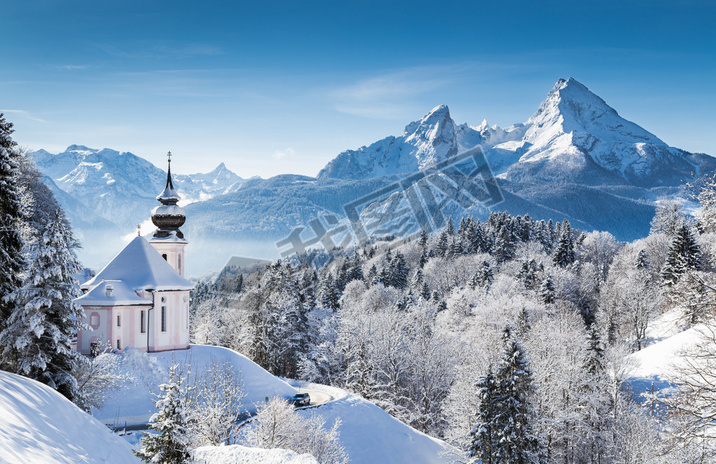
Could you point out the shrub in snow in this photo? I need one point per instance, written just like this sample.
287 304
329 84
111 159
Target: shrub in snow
97 378
278 426
214 403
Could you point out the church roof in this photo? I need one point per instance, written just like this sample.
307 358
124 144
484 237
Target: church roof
140 267
112 293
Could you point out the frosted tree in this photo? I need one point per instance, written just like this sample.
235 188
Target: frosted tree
684 255
329 293
11 223
517 443
170 445
97 379
485 435
504 247
37 338
564 254
277 425
431 369
547 290
669 218
213 404
704 191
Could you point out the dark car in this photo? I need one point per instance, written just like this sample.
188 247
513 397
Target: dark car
300 399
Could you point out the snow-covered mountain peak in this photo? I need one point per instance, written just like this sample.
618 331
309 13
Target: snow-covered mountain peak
440 115
576 136
433 136
571 107
424 143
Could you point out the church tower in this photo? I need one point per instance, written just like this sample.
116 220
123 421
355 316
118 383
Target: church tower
168 240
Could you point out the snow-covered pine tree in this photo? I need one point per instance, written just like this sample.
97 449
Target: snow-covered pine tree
329 293
504 247
442 244
11 223
450 228
171 444
398 272
37 338
684 255
517 444
564 253
484 436
547 290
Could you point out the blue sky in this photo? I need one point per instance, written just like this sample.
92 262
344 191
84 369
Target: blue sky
273 87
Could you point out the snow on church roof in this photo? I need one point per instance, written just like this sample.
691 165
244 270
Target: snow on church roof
140 267
112 293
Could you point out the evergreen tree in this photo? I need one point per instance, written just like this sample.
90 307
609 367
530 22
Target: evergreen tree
36 341
547 290
504 247
517 442
372 273
684 255
11 223
483 277
330 296
564 255
450 228
171 444
442 246
398 272
642 261
484 436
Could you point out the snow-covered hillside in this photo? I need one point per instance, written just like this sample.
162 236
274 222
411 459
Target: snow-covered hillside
135 403
371 435
38 425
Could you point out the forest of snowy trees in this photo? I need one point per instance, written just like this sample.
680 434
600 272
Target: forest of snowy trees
38 318
508 338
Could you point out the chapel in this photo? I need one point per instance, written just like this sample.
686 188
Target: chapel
141 298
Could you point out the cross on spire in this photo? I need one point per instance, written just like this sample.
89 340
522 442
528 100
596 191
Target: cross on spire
169 156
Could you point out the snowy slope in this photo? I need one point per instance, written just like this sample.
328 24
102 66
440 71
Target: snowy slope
371 435
237 454
135 404
41 426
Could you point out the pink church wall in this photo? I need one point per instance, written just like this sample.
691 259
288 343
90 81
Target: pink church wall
129 332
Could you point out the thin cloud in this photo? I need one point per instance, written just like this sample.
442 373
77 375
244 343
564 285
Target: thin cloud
281 154
73 67
391 95
158 50
24 114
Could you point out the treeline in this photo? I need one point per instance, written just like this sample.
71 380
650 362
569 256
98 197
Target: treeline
428 329
38 318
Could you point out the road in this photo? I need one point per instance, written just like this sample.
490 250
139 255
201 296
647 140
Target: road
318 398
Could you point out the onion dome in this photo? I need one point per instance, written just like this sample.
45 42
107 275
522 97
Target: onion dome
169 216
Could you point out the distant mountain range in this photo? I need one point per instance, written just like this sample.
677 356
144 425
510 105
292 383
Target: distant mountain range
575 158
